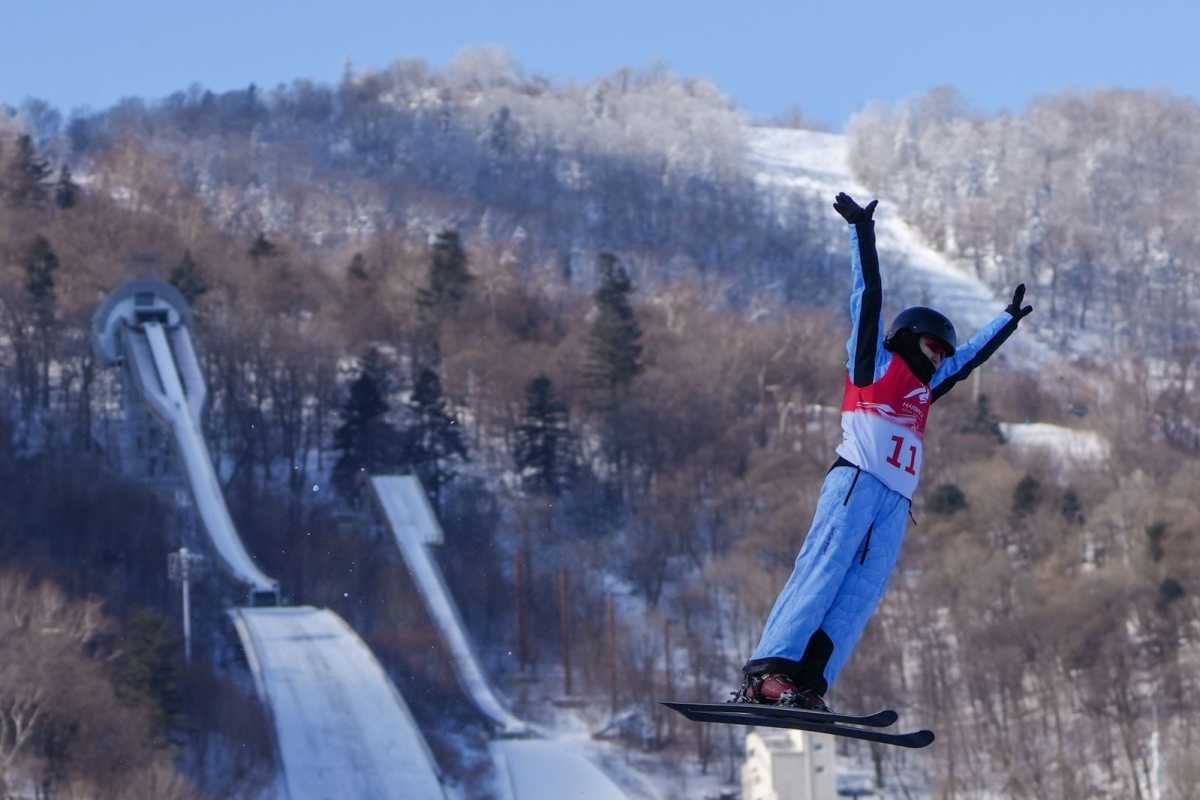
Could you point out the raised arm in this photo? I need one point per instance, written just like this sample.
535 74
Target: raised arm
981 347
865 346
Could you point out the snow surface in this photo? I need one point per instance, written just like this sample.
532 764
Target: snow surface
540 768
809 165
343 729
1064 446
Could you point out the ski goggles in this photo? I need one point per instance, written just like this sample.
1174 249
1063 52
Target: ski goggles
936 346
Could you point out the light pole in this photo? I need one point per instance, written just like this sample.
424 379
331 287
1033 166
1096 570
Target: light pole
182 566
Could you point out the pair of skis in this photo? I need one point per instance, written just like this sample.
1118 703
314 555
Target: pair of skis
849 725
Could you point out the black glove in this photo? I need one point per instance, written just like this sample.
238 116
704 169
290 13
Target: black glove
1014 308
851 211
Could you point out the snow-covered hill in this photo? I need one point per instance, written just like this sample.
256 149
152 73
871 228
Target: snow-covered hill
809 166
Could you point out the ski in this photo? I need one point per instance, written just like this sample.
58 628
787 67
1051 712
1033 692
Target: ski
915 739
880 719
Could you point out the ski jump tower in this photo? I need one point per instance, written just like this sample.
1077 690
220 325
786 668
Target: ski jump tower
144 327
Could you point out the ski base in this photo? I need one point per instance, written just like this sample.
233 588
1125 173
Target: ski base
916 739
880 719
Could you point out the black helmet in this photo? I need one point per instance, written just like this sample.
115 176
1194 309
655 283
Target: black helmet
923 321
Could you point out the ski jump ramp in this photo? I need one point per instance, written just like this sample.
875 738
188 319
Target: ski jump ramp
529 763
342 729
414 525
143 326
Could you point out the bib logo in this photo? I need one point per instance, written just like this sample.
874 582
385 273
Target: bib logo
921 406
921 393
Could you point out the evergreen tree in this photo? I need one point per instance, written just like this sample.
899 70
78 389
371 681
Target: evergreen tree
501 131
366 441
25 176
187 279
262 248
148 667
449 278
1027 496
66 191
946 499
1072 507
1155 535
40 264
544 452
357 271
1169 591
432 441
614 343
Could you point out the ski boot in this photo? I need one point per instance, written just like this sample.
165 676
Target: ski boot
777 689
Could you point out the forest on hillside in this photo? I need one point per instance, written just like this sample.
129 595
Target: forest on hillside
643 438
641 163
1093 196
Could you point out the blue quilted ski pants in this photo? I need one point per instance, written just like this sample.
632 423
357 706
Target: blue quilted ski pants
839 578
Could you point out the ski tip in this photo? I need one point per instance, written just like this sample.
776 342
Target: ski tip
922 738
679 707
683 706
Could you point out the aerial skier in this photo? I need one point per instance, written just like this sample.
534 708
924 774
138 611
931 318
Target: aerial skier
852 546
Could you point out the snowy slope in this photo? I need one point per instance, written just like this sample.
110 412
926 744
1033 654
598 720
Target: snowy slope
343 729
808 166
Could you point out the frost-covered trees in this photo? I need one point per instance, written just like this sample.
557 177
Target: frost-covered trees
1087 194
642 162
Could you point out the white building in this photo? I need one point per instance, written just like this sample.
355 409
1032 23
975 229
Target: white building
789 765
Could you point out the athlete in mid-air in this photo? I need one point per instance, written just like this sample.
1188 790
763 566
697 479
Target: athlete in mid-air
856 533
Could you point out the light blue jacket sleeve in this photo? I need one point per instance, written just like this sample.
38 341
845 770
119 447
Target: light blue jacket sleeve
981 347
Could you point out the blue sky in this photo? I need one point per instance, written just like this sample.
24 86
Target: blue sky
829 59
